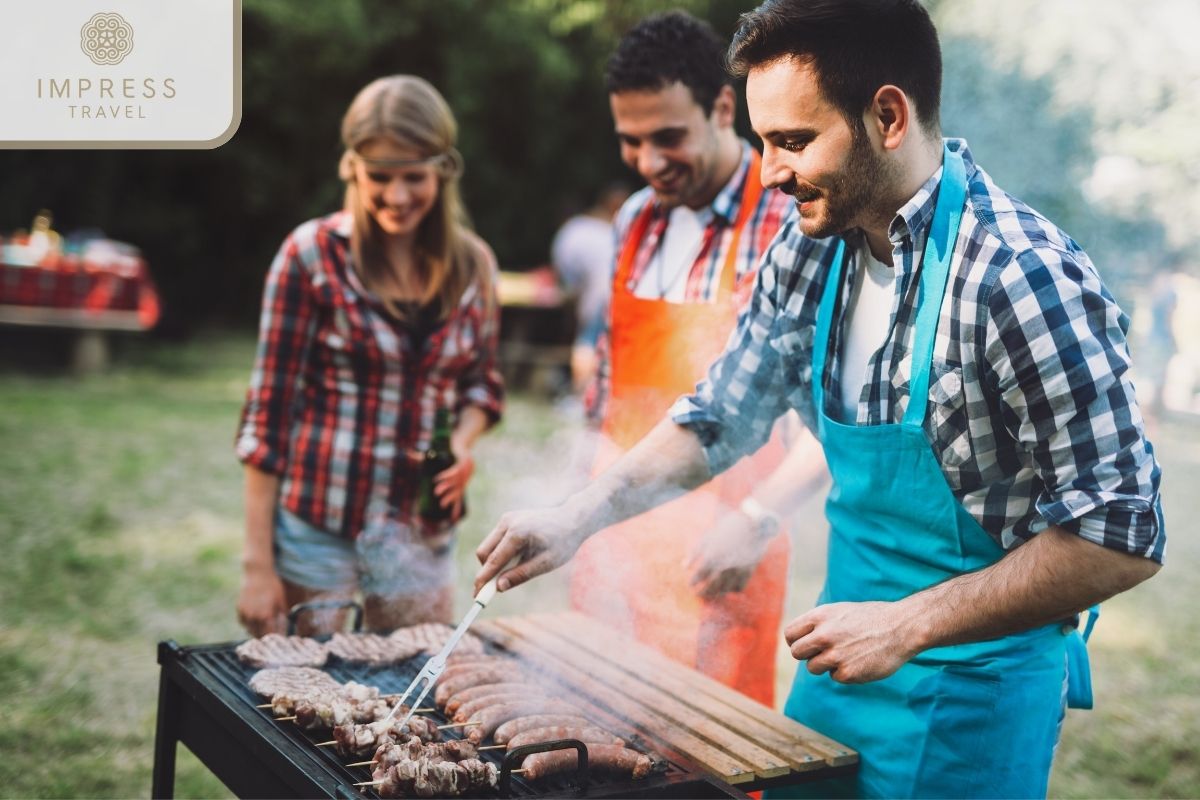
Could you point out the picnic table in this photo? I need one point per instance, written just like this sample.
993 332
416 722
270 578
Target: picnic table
537 328
95 293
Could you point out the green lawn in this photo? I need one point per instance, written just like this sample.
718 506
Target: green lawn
120 516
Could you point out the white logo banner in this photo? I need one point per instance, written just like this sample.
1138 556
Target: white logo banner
120 73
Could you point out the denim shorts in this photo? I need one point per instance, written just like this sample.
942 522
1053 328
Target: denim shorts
389 557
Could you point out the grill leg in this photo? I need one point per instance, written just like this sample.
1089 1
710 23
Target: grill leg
165 738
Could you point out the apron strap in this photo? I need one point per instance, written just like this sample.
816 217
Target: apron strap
824 324
752 190
629 249
935 269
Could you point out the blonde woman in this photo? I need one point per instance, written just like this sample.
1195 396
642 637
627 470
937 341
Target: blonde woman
373 319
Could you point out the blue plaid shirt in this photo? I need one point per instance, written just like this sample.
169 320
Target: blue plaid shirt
1032 413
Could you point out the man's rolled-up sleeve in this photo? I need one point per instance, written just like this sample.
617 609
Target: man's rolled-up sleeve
1056 347
734 408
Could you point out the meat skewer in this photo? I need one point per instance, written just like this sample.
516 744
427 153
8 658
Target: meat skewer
413 748
426 770
358 740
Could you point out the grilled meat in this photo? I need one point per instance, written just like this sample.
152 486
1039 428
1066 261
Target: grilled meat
275 650
588 734
521 724
608 758
370 648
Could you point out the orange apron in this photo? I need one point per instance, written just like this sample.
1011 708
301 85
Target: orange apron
632 575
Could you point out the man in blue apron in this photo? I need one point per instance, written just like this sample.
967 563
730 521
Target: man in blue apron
968 376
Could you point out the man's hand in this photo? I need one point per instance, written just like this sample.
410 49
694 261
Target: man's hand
853 642
261 607
727 555
544 539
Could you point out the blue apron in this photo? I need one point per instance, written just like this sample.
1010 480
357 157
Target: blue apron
972 720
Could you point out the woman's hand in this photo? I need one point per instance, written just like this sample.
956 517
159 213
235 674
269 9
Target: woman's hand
261 607
450 485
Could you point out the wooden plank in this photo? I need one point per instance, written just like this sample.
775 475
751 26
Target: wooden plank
628 713
599 640
736 712
711 745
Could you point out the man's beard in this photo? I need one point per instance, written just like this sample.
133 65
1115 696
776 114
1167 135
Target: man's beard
855 194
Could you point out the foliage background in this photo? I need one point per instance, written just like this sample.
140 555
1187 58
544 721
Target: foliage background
1082 109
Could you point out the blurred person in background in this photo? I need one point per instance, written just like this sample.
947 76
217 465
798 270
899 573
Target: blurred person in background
374 319
1160 345
968 376
688 246
582 254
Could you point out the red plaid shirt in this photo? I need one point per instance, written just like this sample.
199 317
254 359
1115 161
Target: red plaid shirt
342 399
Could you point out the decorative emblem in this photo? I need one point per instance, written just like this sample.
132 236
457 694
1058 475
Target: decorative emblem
106 38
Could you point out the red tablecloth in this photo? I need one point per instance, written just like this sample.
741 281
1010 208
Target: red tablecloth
79 297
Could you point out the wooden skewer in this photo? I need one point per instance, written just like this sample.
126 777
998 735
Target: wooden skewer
457 725
264 705
361 764
493 747
327 744
285 719
516 772
371 783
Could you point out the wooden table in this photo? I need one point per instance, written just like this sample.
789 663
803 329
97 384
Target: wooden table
630 686
92 302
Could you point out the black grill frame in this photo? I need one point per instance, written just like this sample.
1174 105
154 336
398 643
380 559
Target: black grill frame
206 703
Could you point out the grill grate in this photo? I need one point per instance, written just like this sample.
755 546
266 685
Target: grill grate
222 663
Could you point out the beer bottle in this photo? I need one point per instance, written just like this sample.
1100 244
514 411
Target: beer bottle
437 458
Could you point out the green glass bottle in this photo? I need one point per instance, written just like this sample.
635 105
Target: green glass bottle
437 458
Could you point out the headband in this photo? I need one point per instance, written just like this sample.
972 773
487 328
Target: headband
448 163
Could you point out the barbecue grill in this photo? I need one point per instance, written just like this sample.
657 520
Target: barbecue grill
205 702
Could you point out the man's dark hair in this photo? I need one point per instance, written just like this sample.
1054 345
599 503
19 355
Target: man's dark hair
667 48
855 47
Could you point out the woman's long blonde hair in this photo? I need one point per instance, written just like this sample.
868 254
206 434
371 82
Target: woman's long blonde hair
410 112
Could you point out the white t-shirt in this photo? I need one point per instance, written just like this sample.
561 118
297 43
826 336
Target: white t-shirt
666 275
866 325
582 252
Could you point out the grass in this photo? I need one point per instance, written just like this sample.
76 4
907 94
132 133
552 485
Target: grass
121 523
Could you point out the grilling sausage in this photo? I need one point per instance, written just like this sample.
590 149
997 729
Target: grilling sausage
493 717
473 693
609 758
588 734
514 726
469 711
466 677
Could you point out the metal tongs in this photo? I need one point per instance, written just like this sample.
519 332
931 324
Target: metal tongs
435 666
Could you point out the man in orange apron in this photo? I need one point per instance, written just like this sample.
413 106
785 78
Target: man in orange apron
688 247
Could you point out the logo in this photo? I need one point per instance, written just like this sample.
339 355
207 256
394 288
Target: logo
120 74
106 38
